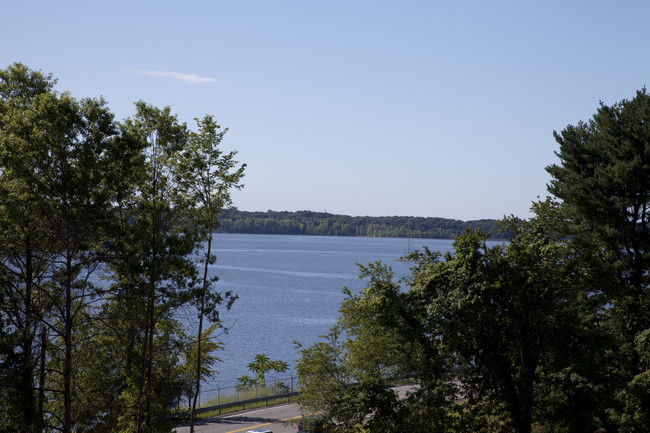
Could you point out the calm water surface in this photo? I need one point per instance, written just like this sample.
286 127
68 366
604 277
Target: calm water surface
290 288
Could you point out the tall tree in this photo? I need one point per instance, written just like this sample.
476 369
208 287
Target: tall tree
603 180
22 263
208 174
57 157
155 272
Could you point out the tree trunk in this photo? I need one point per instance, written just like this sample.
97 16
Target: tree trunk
28 365
67 363
149 377
198 344
41 380
143 386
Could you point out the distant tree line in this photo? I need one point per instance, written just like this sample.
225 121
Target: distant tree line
326 224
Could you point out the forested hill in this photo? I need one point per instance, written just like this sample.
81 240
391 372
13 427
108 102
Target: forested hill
326 224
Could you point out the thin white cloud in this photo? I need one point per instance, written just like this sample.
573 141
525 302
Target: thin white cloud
186 78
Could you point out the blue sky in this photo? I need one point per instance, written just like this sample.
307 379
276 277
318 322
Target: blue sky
422 108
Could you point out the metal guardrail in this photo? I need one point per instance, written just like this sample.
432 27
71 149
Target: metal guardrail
249 401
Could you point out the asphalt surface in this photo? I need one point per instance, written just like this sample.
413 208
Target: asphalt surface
274 418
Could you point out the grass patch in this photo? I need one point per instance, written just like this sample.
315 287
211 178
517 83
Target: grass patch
182 414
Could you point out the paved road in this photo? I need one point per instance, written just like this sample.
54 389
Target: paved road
272 418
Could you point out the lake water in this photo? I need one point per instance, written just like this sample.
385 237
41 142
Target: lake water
290 288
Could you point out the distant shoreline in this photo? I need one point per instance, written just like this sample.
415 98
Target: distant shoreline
326 224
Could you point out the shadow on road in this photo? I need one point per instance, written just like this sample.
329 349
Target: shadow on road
235 420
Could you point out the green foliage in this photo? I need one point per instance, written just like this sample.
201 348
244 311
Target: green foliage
381 336
59 175
636 395
260 366
154 271
208 175
209 346
604 181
